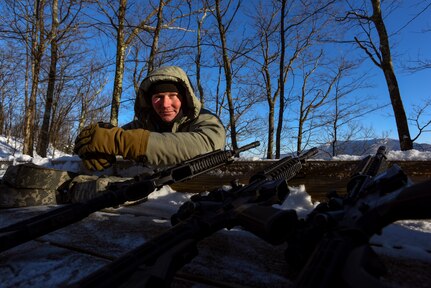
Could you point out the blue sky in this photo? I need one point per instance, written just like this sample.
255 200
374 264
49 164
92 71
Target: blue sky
409 43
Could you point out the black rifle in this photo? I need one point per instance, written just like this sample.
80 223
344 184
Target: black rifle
330 247
155 263
116 194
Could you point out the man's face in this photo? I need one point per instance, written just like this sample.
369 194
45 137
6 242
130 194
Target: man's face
167 105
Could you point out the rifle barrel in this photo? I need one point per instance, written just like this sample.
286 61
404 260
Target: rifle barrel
246 147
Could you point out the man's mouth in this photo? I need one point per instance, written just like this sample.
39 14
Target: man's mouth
167 112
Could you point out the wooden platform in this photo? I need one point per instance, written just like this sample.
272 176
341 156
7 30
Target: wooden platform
229 258
63 257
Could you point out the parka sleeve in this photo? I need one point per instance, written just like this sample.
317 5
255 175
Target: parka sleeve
204 135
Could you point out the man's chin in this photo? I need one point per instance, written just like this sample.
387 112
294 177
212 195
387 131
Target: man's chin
167 118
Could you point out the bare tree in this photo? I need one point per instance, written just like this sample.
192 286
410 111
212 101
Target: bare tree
281 78
223 28
344 112
11 119
88 94
8 70
419 64
380 55
53 90
199 57
25 25
77 76
138 70
266 26
421 118
219 100
313 96
156 36
124 34
119 62
296 26
38 38
301 29
43 142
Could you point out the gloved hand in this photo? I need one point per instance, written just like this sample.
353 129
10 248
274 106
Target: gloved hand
99 164
98 143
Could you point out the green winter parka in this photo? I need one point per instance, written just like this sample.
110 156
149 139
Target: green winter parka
196 131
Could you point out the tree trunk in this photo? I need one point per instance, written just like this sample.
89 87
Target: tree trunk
44 131
271 104
270 152
394 92
281 81
2 122
228 77
119 67
37 52
335 128
155 44
198 61
83 112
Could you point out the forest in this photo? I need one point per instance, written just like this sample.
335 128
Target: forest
289 73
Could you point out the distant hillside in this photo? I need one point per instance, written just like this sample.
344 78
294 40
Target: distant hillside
367 147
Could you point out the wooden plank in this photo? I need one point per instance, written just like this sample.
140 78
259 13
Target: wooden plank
37 264
73 252
235 257
318 177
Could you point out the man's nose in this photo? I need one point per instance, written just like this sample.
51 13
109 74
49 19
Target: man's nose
166 101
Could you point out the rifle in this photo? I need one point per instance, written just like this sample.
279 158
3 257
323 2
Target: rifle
116 194
155 263
331 246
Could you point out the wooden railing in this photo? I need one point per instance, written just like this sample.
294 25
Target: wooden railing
319 177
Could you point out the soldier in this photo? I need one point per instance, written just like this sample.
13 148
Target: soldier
169 127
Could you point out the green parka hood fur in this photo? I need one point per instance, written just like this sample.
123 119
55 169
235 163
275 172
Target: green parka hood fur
168 73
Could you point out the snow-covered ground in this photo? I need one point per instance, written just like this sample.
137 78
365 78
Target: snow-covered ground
414 237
